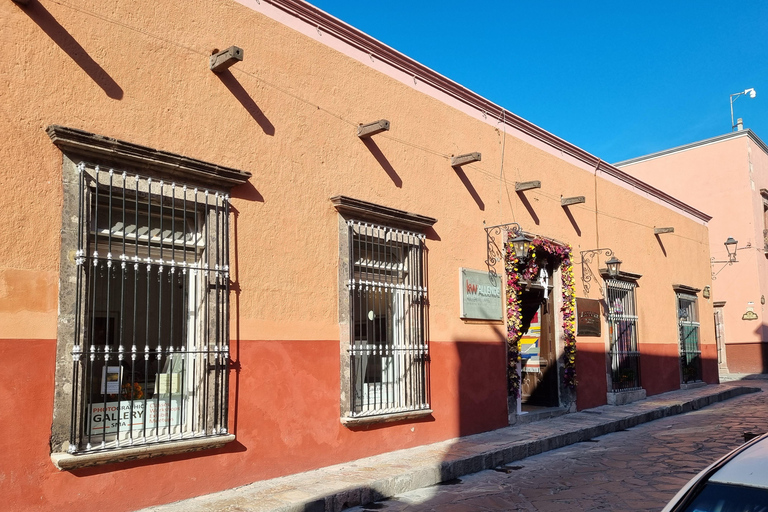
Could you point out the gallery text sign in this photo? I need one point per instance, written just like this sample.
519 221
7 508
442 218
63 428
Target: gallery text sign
480 295
588 317
105 419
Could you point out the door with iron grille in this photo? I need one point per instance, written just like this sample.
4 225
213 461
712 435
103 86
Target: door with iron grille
622 329
688 328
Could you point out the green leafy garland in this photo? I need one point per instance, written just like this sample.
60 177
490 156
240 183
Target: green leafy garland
517 270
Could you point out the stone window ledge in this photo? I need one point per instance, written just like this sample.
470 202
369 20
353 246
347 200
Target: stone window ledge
359 421
67 461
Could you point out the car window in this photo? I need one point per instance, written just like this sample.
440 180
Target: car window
729 498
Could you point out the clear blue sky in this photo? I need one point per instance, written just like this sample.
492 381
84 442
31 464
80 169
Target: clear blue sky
619 79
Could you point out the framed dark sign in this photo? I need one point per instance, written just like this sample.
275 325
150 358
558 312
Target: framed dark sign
588 317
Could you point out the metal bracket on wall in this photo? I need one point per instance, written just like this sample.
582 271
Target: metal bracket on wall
494 252
586 271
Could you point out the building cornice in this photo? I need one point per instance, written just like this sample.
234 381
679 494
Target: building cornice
362 42
363 210
115 151
706 142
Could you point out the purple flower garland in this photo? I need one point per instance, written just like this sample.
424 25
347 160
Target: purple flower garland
513 267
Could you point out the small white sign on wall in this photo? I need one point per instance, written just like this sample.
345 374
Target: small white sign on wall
480 293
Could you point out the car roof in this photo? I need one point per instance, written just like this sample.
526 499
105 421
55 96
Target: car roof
749 467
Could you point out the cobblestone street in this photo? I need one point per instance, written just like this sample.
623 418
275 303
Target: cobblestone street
639 469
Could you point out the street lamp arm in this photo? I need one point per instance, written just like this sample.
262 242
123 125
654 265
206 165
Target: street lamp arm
735 96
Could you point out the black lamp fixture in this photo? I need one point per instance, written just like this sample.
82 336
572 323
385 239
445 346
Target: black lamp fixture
613 266
521 244
731 247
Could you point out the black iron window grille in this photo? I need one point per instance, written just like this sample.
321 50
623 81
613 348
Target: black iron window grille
388 352
150 354
688 324
622 327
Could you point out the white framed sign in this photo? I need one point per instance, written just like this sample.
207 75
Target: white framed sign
107 419
480 293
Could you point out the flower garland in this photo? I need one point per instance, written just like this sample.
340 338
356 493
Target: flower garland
562 255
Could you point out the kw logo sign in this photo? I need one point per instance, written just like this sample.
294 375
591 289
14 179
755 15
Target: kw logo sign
482 290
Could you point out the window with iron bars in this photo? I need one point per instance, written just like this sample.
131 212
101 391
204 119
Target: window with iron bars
622 328
688 324
388 352
150 352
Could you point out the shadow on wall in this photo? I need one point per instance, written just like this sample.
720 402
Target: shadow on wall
529 207
480 392
660 373
250 106
572 220
383 161
751 357
481 384
591 376
71 47
470 188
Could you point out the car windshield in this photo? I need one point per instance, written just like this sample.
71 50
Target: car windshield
729 498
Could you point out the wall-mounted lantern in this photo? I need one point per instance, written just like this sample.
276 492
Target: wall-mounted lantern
614 265
521 245
732 249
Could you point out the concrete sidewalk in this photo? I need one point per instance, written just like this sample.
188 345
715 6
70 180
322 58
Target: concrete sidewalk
366 480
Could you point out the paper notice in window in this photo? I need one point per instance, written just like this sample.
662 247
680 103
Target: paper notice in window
110 380
168 383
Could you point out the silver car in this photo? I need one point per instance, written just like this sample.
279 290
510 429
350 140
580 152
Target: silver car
736 483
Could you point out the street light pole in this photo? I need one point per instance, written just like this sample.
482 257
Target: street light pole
751 92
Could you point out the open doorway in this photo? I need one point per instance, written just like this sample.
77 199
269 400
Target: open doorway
539 360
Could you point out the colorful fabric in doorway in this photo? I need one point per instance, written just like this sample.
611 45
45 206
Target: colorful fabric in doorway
517 270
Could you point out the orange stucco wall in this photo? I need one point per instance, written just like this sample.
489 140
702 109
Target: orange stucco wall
724 179
138 71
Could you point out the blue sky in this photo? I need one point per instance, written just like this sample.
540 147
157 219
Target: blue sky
619 79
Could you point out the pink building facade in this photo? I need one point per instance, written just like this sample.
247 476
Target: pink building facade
726 176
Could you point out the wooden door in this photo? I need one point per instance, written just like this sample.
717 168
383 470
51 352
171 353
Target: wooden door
539 362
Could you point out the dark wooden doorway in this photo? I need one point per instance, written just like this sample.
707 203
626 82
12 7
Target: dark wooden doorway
539 354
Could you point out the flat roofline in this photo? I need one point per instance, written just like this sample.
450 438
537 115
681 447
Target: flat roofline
350 36
713 140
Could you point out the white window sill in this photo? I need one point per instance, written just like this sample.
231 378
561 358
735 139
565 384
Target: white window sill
67 461
351 422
